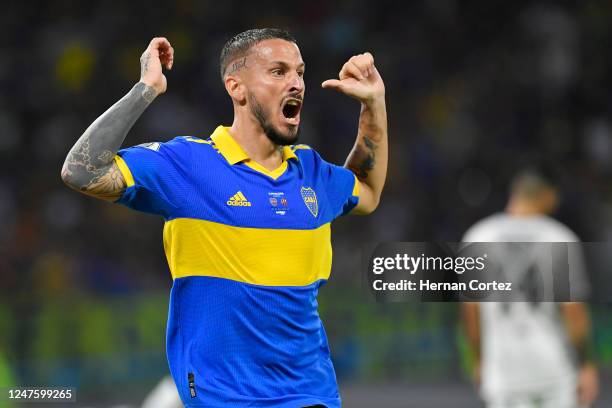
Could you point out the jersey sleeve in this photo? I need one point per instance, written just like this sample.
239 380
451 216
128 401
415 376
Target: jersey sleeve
155 176
341 185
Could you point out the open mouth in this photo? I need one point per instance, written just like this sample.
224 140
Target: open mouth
291 109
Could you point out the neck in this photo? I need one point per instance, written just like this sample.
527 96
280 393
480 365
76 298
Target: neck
522 208
249 134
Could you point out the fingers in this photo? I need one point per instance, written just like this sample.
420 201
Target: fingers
350 69
358 66
365 63
160 47
332 84
167 57
158 42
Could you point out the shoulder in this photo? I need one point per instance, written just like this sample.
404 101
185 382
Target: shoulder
187 142
180 146
302 150
313 164
299 147
178 152
529 229
308 156
482 230
178 143
557 231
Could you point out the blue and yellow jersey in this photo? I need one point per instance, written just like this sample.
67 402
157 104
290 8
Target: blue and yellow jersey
248 250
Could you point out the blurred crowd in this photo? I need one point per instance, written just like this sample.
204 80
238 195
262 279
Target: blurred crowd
472 91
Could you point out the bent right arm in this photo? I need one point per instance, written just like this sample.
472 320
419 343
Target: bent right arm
90 165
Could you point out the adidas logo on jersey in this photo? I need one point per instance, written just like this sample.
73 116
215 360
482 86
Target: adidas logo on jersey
238 200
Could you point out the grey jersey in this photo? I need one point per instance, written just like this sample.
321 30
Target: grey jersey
524 344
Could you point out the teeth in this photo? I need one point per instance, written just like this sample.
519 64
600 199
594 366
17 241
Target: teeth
292 103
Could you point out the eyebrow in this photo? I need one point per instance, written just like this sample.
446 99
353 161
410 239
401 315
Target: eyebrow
285 65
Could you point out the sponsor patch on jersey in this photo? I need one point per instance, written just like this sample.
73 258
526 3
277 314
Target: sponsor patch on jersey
278 202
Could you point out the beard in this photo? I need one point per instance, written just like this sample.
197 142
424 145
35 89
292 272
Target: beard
276 136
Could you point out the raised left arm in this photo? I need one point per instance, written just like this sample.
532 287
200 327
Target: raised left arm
360 79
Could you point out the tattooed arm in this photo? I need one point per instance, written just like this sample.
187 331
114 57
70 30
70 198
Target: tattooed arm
360 79
90 167
368 159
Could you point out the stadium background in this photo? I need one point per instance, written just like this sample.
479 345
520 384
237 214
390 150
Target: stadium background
470 91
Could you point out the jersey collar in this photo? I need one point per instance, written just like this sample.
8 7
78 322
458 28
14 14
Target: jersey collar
231 150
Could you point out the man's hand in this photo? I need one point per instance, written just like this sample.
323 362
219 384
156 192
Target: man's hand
588 384
158 53
359 79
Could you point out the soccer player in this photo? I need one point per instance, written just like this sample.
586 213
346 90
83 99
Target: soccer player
531 354
163 395
247 219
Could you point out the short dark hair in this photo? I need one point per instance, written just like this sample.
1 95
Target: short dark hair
240 44
535 177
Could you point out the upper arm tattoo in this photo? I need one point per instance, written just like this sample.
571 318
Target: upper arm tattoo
106 183
363 159
90 166
109 185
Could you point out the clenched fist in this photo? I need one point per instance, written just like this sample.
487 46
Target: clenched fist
359 79
158 53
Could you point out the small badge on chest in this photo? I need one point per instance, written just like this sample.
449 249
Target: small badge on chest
278 202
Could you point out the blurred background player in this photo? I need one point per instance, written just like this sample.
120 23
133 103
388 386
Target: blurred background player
164 395
530 354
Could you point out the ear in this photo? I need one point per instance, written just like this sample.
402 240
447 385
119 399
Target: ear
235 88
549 200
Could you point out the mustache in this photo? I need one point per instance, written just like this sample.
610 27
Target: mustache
297 96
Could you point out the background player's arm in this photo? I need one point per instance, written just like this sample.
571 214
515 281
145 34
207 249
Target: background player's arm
578 326
471 321
90 167
360 79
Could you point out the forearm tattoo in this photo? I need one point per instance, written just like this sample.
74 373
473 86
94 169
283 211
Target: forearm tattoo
363 159
144 63
90 165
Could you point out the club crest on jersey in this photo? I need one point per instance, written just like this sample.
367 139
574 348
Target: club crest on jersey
310 199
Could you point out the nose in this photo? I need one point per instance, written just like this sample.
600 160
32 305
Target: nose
296 83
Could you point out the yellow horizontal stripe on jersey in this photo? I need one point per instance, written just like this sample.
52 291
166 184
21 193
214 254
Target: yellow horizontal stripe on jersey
125 171
260 256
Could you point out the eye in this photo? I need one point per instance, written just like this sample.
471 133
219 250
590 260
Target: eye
301 74
277 72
